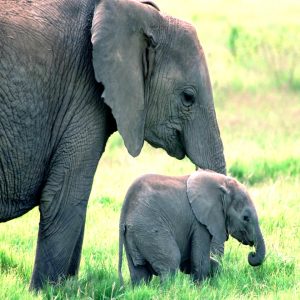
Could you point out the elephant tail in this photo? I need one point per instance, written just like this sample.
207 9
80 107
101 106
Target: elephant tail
121 243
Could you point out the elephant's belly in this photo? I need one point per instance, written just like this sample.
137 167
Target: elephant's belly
15 202
20 185
23 139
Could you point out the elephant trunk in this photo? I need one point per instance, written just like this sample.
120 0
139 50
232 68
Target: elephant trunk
202 138
256 258
203 143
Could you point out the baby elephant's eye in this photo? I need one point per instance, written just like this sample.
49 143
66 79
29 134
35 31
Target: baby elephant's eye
188 98
246 218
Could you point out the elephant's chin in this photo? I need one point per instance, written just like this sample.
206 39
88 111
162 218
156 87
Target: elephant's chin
177 149
174 147
174 152
177 153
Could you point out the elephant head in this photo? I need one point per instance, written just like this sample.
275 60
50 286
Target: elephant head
156 81
224 206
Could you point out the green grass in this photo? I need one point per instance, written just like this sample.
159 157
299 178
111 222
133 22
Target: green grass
264 170
258 109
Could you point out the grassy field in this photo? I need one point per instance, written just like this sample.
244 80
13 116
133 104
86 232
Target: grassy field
252 48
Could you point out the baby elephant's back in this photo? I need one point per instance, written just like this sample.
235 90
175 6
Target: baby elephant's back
157 198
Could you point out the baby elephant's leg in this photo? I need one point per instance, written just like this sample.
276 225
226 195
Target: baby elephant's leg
165 260
141 271
159 249
139 274
200 254
217 251
214 266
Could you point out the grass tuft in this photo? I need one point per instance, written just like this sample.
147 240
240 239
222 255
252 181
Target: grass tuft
264 170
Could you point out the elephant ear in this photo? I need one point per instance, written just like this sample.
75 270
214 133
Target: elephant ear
123 56
151 3
209 199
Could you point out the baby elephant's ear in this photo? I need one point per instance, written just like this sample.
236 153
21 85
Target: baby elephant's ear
206 193
151 3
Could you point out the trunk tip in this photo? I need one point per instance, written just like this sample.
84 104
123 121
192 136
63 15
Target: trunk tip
254 260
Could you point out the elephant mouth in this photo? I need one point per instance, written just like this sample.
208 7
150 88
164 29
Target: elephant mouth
171 143
243 239
179 151
246 242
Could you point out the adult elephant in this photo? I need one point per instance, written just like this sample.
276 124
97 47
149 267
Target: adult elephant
73 72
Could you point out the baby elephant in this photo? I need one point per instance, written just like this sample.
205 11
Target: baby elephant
169 223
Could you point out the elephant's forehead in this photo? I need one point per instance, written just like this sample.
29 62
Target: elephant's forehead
186 37
242 197
187 62
182 33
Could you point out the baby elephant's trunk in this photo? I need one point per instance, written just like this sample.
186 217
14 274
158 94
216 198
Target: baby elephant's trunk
256 258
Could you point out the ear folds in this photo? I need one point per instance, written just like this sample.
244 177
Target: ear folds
207 194
148 57
123 59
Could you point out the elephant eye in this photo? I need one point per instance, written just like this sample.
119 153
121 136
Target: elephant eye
246 218
188 98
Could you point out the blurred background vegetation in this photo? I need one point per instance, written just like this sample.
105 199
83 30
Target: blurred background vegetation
253 54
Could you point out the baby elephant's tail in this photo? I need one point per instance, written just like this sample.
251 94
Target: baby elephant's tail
121 242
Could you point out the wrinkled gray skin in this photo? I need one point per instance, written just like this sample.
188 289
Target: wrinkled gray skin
73 72
170 223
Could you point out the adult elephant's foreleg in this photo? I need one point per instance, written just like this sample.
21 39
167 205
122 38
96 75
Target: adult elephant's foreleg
63 211
54 254
63 206
76 255
64 198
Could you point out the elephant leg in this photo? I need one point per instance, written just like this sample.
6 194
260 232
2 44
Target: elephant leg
217 249
62 218
217 252
61 230
157 249
165 257
214 266
200 254
140 270
55 252
75 260
138 274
